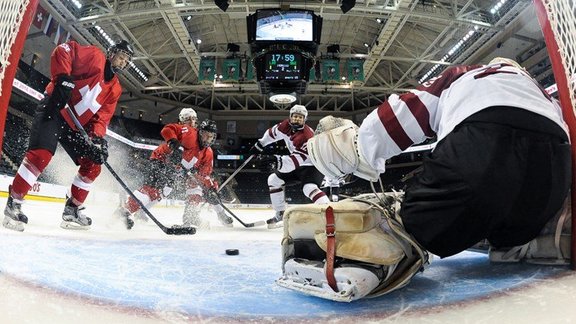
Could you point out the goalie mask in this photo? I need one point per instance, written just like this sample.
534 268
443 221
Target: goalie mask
298 116
120 56
207 132
188 116
335 152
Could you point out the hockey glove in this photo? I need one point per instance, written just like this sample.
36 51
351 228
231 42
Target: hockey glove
98 151
61 93
269 163
212 196
256 149
177 151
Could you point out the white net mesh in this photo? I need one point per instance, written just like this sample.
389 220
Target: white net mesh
562 17
11 13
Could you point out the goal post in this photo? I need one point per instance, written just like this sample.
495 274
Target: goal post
16 16
557 19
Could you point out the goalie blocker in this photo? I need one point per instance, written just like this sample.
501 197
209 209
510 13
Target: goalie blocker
348 250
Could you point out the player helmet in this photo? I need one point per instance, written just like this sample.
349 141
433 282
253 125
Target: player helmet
188 115
121 47
300 110
208 132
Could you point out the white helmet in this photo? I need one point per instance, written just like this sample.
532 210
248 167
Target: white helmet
299 109
187 114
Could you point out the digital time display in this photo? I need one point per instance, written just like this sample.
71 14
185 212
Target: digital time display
282 66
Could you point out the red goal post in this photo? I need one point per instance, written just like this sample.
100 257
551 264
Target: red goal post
558 21
15 19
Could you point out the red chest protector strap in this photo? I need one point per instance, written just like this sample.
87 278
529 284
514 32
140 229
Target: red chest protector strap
330 248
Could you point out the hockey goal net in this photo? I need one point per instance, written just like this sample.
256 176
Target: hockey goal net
10 20
15 19
558 21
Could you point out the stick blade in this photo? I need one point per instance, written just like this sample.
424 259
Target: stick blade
180 230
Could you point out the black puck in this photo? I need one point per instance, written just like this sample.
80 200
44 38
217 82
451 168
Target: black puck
232 252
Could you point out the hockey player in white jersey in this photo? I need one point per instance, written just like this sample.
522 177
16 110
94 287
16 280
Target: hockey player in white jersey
295 167
500 171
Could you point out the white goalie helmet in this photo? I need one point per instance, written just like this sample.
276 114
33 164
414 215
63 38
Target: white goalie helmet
187 114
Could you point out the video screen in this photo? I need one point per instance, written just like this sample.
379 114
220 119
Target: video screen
278 25
282 66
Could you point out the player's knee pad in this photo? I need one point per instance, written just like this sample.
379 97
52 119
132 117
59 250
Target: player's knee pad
374 253
275 182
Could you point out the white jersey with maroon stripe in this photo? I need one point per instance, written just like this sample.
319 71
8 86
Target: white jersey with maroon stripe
440 104
295 142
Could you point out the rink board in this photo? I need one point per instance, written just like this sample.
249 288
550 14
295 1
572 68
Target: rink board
196 277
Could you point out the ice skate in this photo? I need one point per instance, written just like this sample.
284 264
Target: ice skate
14 219
191 218
73 218
276 221
124 215
225 220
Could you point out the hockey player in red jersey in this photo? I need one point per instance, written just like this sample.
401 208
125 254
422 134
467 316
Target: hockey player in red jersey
295 167
186 153
84 78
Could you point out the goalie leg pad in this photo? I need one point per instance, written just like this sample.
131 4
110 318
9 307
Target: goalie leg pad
374 255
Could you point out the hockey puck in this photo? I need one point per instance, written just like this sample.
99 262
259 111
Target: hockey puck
232 252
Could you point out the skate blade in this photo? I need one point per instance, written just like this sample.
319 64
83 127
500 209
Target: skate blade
74 226
11 224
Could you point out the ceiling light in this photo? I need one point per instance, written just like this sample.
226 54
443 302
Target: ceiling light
283 98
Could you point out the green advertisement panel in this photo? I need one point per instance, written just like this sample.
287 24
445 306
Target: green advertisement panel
330 70
207 69
250 70
355 70
231 69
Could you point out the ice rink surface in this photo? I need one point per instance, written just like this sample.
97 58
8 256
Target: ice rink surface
111 275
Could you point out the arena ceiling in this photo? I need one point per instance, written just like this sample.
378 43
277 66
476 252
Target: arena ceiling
400 41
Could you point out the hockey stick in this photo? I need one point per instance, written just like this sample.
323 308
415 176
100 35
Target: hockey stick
236 172
167 230
219 200
247 225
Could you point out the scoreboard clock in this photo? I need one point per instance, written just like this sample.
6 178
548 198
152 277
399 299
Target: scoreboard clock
282 66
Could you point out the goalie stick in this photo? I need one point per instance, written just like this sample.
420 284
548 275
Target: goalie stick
175 230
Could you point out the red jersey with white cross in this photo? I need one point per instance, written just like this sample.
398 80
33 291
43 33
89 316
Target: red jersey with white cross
195 157
93 99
